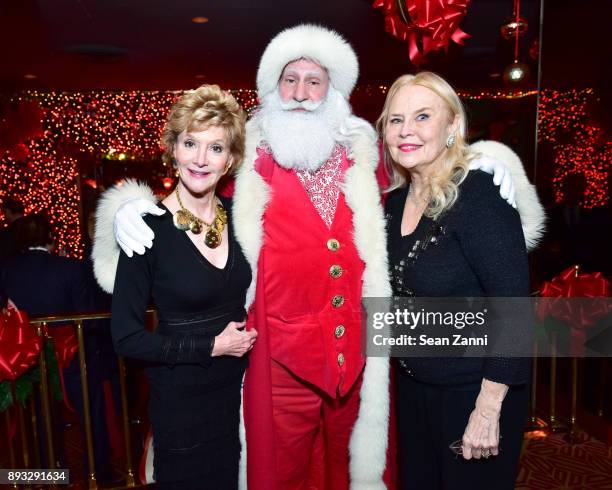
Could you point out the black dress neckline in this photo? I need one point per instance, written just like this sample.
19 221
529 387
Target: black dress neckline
201 257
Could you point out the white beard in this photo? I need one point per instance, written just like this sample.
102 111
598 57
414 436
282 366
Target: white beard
303 140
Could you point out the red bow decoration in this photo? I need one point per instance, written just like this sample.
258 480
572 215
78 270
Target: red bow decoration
580 316
19 344
434 22
66 345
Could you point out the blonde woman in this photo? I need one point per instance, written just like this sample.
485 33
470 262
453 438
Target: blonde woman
197 276
450 234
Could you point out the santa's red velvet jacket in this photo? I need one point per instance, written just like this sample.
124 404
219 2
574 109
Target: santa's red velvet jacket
305 299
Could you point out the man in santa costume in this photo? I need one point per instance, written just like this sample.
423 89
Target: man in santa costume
307 213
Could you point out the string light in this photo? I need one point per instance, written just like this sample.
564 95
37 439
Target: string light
126 126
122 126
579 145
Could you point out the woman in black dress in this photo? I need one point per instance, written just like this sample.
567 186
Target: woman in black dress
450 234
197 276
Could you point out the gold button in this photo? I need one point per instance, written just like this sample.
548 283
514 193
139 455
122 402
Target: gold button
339 332
335 271
340 359
333 244
337 301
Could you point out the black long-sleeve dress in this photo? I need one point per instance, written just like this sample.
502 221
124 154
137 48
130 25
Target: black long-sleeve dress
194 403
478 250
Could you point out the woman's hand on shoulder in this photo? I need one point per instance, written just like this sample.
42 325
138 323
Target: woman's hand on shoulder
234 340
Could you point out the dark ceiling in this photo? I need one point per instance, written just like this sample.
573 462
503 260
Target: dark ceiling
152 44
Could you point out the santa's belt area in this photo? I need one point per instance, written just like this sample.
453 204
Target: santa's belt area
323 349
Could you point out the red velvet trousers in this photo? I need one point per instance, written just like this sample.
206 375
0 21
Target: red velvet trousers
311 432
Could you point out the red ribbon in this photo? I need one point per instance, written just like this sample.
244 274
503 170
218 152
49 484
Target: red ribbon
434 22
65 343
66 346
579 316
19 344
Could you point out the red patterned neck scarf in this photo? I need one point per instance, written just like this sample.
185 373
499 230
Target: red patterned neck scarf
323 185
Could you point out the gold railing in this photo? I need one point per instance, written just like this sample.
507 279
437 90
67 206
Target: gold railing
40 323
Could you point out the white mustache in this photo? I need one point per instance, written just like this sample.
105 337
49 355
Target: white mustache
307 105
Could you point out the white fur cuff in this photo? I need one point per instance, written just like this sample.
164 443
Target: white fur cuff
105 253
529 207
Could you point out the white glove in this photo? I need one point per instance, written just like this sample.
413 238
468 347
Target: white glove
131 232
501 175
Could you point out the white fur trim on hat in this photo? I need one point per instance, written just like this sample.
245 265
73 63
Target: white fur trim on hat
326 47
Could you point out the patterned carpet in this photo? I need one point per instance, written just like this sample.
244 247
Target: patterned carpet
550 463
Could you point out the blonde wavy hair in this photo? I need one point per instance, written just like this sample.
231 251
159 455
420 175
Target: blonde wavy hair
200 109
444 186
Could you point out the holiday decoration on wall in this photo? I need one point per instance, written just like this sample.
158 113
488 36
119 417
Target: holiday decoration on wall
427 25
580 145
46 133
40 167
513 29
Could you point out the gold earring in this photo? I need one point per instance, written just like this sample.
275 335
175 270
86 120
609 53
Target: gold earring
177 173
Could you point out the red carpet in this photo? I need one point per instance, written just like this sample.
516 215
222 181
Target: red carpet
551 463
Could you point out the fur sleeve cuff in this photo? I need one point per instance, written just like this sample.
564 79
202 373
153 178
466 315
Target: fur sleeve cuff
105 253
529 207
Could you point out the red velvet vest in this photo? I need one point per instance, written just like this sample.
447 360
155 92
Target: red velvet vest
313 281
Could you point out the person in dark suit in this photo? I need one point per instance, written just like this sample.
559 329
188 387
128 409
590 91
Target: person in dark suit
42 283
13 212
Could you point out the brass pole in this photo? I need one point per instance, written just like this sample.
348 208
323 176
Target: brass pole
553 380
574 390
22 430
571 436
534 380
554 424
130 479
534 422
35 440
92 484
602 387
7 413
44 398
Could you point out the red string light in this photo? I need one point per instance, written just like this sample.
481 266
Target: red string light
111 124
579 145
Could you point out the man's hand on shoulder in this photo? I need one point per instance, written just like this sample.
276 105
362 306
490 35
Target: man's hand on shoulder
501 176
131 232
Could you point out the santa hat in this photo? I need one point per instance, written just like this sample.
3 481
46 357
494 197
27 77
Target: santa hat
326 47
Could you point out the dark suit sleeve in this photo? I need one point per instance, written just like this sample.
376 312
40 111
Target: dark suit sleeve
81 290
492 240
133 283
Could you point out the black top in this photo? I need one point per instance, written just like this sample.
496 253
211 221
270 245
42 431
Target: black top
185 288
194 403
476 249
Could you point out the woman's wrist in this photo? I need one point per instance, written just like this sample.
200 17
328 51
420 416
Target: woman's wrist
212 346
490 397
